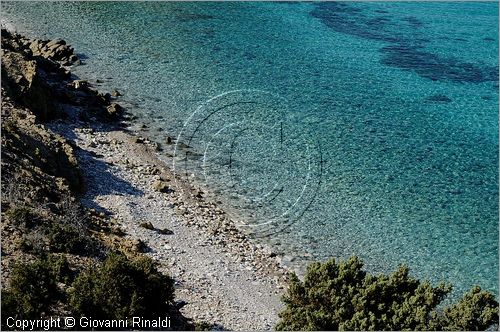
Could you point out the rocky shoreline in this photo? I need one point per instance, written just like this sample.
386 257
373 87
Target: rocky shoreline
221 276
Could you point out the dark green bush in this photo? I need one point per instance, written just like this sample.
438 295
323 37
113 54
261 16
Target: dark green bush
204 326
33 289
33 242
21 216
475 311
67 238
344 297
69 232
122 288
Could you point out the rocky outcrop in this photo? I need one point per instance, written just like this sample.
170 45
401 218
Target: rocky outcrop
114 110
29 69
162 187
22 78
33 75
54 50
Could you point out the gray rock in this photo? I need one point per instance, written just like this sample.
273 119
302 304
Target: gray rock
147 225
55 42
114 109
162 187
78 84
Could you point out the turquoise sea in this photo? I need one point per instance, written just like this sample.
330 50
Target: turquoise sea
328 129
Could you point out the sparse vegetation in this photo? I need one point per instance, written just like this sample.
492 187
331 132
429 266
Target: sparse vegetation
33 288
33 242
66 238
122 288
342 296
20 216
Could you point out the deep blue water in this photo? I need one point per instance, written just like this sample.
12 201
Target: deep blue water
331 128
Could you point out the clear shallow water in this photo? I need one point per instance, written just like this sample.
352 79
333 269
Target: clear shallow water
338 129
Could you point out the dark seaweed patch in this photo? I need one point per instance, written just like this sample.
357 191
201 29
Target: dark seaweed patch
344 18
413 21
405 50
186 17
438 99
249 55
378 22
434 67
341 7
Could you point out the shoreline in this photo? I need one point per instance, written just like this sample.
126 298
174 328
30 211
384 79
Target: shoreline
221 276
347 185
290 259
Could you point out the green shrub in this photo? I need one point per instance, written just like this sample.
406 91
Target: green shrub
33 242
21 216
33 288
67 238
344 297
122 288
69 232
476 311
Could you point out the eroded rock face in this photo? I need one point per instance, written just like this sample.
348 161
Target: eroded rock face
28 67
23 80
25 141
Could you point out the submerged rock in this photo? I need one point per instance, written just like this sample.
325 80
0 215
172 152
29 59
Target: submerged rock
438 99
